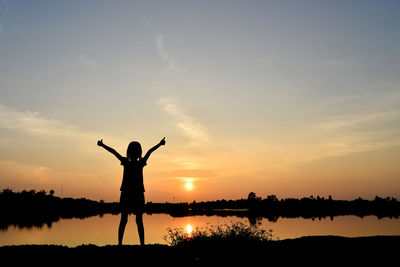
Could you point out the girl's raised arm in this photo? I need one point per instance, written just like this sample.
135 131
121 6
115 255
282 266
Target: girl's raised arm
151 150
109 149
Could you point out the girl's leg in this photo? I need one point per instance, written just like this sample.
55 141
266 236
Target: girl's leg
122 224
139 222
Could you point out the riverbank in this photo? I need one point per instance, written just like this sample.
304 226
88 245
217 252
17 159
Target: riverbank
311 250
35 209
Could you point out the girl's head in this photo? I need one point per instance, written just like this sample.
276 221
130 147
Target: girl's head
134 150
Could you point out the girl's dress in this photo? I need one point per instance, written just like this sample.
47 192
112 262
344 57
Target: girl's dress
132 188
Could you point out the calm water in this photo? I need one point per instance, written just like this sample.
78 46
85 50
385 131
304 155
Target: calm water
103 230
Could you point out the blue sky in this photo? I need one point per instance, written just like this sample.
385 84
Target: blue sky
253 91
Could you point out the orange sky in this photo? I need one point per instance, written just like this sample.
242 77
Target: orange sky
292 100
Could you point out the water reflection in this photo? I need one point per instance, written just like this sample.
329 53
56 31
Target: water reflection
254 219
103 230
189 231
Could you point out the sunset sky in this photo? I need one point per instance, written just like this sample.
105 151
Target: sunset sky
292 98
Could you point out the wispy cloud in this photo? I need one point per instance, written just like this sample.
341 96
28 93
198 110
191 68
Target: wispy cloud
353 133
159 40
84 60
187 124
39 125
192 173
36 124
360 122
23 174
33 122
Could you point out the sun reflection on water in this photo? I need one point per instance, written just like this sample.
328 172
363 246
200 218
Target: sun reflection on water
189 231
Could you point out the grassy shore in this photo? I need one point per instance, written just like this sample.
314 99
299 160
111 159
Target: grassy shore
306 250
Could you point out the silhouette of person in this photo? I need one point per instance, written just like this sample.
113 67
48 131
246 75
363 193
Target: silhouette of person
132 188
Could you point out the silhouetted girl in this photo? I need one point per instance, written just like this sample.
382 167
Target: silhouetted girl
132 188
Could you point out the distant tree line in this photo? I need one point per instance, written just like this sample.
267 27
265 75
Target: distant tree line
272 208
32 208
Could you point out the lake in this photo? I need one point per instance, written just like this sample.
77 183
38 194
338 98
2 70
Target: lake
102 230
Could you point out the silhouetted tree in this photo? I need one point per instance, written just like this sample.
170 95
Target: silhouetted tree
253 197
272 198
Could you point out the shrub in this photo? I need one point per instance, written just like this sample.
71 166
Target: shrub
235 233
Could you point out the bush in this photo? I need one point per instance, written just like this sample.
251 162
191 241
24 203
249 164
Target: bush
236 233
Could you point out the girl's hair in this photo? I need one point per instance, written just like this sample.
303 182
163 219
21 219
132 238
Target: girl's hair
134 150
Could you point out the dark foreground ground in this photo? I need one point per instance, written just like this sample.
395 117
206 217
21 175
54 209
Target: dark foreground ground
317 250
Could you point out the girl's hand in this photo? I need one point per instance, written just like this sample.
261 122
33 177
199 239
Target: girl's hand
162 142
100 142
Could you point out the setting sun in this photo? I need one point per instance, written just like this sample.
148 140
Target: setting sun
189 229
189 186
